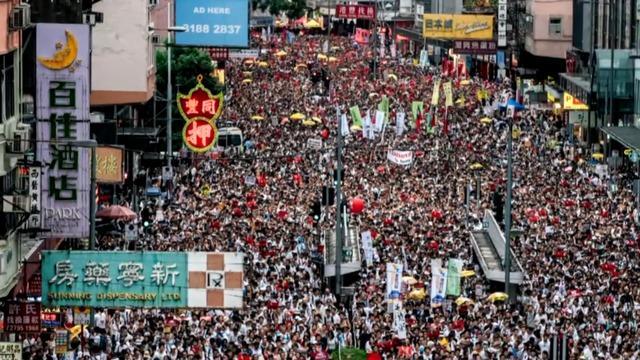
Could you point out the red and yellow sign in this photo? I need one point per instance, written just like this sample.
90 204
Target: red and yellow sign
571 103
200 109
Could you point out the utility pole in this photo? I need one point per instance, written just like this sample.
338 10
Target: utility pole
169 87
339 229
507 212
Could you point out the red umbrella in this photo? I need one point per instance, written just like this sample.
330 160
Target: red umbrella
116 212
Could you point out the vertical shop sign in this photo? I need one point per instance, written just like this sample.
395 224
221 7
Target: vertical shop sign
62 72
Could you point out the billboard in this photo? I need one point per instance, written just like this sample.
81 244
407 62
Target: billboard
571 103
109 164
456 26
364 12
219 23
62 110
142 279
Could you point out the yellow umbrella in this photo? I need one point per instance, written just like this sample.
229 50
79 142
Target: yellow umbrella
322 57
463 301
309 122
312 24
410 280
476 166
332 59
597 156
516 133
316 119
628 152
467 273
356 128
257 118
392 76
247 81
486 120
281 53
465 82
418 294
302 65
263 64
246 73
297 116
498 296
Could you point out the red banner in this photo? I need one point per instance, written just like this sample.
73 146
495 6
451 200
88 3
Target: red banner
366 12
22 317
362 36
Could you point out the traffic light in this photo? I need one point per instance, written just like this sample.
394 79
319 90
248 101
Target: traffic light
316 210
328 196
498 206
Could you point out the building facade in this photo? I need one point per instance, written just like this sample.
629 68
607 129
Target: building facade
549 28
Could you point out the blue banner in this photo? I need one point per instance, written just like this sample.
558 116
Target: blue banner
115 279
220 23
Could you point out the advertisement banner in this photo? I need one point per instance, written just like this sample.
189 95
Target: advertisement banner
394 280
62 110
22 317
571 103
474 47
456 26
109 165
142 279
365 12
10 351
402 158
219 23
454 269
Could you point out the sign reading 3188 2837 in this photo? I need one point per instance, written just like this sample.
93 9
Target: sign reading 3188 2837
219 23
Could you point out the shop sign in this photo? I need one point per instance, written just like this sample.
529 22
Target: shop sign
22 317
571 103
364 12
34 285
62 74
474 47
502 23
200 109
109 165
455 26
35 189
219 53
142 279
51 318
10 351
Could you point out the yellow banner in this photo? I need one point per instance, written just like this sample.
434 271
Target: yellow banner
435 97
448 93
571 103
458 27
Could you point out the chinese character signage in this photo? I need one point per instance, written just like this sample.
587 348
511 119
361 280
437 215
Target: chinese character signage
200 109
10 351
571 103
219 53
22 317
502 23
109 165
35 176
366 12
62 109
221 23
474 47
450 26
142 279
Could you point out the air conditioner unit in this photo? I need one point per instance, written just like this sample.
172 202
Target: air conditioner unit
96 117
153 3
20 17
15 203
155 39
19 143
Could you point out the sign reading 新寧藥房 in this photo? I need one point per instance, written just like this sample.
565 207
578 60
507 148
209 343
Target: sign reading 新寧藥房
220 23
62 110
142 279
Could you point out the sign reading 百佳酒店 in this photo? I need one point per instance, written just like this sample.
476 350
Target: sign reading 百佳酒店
62 109
221 23
142 279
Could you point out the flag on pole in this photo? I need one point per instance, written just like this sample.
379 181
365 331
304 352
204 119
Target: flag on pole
355 116
367 128
453 277
384 107
435 96
417 107
400 127
345 125
379 121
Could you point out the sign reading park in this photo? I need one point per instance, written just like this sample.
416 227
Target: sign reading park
120 279
200 109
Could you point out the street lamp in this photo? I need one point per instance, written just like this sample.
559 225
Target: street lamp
90 144
170 30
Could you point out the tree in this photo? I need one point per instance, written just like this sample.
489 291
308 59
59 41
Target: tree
293 9
186 65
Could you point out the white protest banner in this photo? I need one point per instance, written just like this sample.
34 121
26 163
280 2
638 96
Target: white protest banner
399 324
250 180
400 127
379 124
454 269
402 158
314 143
394 280
438 282
345 125
367 246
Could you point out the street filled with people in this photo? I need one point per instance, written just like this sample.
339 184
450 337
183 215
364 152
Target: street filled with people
577 240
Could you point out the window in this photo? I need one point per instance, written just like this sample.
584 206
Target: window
555 26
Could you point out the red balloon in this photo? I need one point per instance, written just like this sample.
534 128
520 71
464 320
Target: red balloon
436 214
297 179
324 133
262 181
237 211
357 205
381 169
252 204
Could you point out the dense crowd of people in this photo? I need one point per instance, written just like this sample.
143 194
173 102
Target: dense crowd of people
578 245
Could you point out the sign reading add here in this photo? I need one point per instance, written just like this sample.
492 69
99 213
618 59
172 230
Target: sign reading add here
220 23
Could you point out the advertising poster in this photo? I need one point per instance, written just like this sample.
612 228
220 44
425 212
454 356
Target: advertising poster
219 23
